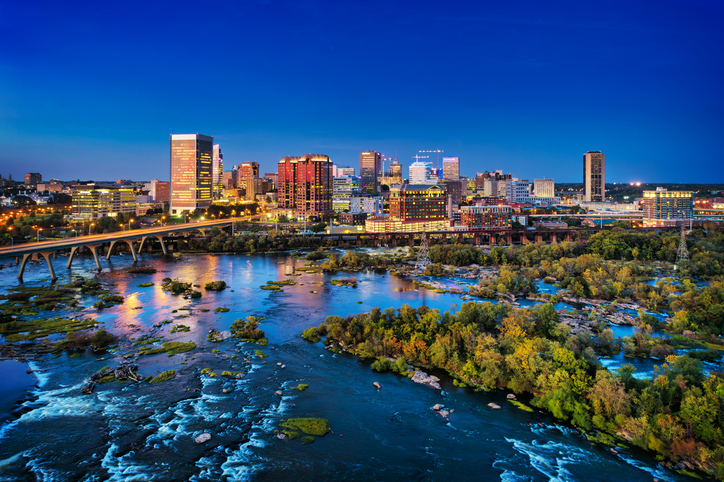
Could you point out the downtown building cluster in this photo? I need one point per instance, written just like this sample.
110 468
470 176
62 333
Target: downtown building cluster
379 196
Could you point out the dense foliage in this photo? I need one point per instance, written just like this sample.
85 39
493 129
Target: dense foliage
678 412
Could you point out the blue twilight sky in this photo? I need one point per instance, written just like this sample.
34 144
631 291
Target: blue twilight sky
92 90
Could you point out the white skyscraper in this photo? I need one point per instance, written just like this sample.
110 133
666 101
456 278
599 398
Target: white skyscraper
420 173
217 169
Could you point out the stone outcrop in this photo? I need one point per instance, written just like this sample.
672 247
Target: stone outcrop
424 378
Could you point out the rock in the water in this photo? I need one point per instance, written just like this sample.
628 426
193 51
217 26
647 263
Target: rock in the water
278 392
495 407
377 385
452 410
422 377
281 436
88 388
444 413
436 407
202 437
511 396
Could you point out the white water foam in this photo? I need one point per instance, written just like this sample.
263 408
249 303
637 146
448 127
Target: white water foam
124 469
51 404
239 465
42 377
656 473
551 458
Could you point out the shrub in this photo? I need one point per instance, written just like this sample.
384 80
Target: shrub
215 286
316 255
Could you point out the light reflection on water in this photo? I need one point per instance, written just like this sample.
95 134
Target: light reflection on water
389 434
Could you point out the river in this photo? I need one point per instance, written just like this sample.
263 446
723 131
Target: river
141 431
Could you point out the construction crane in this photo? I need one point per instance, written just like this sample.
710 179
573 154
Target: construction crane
418 157
437 157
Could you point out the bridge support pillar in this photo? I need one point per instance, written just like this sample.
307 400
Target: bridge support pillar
393 241
129 242
477 239
567 237
110 250
94 250
340 241
143 240
538 238
378 241
492 240
509 239
554 238
47 255
73 250
163 246
461 238
24 262
359 241
411 239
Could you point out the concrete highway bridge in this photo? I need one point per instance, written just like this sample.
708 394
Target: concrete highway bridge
49 248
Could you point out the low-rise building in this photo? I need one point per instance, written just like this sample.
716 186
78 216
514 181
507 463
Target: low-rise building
486 217
352 219
372 205
93 202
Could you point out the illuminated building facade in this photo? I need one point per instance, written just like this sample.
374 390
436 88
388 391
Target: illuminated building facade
450 168
217 169
594 176
544 187
343 188
369 169
305 184
33 179
486 217
93 202
191 172
664 208
395 173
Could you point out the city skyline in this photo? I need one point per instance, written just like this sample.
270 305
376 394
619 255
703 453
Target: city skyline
527 89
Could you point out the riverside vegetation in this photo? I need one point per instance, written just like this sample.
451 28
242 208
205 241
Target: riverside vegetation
677 413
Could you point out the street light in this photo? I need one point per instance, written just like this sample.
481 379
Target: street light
90 229
37 234
12 240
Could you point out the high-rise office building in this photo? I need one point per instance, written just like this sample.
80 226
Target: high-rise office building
305 184
517 190
395 172
420 173
191 172
594 176
664 208
344 187
450 168
33 179
544 187
246 173
217 170
369 169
